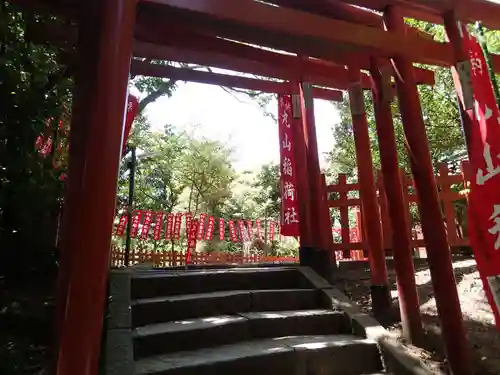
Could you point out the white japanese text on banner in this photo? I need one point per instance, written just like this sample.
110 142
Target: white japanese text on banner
289 204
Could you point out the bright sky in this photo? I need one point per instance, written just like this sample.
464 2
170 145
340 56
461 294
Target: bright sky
218 115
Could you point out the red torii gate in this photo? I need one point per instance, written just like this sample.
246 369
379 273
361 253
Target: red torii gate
343 35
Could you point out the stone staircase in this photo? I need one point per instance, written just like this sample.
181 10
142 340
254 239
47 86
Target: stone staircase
239 321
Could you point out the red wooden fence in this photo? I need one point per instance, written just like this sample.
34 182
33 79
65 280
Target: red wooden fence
171 259
456 234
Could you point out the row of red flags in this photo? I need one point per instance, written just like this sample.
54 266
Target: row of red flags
239 230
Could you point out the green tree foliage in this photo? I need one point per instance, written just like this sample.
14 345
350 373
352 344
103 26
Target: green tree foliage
268 195
35 90
439 111
35 87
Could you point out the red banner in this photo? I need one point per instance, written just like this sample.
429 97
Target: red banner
177 226
201 227
259 229
271 231
222 229
170 226
289 204
233 235
210 229
189 219
484 199
158 225
132 108
148 219
243 232
250 230
192 231
120 229
135 223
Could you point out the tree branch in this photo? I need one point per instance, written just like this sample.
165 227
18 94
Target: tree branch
165 88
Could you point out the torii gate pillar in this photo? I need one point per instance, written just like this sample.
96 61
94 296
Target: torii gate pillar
462 83
438 250
303 193
403 257
380 292
314 255
101 107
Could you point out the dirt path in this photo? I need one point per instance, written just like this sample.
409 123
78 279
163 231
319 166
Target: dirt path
478 317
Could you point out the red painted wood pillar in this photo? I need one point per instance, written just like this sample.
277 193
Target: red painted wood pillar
401 243
319 258
381 297
438 251
84 75
327 221
300 154
105 101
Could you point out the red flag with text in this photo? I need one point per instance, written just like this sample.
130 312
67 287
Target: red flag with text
148 219
210 229
289 204
222 229
484 198
158 226
136 220
132 108
192 233
170 226
177 226
120 230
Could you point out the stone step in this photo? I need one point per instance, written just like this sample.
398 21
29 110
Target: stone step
188 306
191 334
153 283
300 355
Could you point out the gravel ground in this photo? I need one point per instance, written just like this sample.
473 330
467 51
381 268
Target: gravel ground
478 317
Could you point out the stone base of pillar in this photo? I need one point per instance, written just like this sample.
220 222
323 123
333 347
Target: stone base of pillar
381 302
319 260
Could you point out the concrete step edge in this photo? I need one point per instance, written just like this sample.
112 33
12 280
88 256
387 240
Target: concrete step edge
164 364
213 322
217 294
153 273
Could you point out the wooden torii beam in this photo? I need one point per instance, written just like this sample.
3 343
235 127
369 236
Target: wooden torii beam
471 11
229 17
337 79
248 59
343 11
257 23
204 50
185 74
179 36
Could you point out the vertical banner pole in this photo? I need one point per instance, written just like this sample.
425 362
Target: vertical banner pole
130 204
